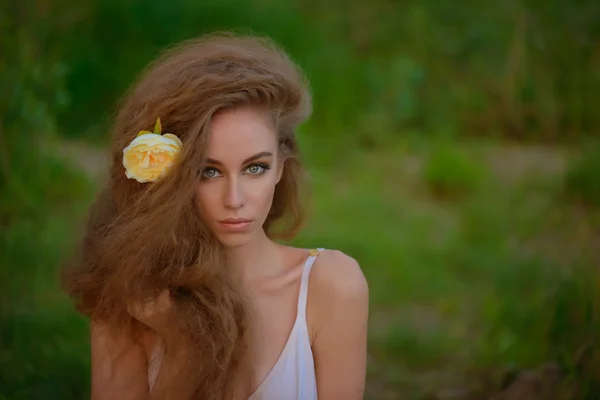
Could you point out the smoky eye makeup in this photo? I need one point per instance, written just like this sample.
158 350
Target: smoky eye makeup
257 168
209 173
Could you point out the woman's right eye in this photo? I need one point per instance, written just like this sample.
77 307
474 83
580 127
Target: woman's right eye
210 173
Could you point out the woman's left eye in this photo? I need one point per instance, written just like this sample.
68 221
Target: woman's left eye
257 169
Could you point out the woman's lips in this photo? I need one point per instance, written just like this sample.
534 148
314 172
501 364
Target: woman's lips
235 224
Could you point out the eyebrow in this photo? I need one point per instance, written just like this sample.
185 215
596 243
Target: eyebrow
246 161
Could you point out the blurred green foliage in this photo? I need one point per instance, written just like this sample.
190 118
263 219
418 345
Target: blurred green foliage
37 194
582 181
407 95
524 69
450 171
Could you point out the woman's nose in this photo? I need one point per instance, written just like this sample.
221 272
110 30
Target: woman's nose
234 196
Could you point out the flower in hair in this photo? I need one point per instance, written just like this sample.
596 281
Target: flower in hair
150 155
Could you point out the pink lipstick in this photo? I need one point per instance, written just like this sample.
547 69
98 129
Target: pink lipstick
235 224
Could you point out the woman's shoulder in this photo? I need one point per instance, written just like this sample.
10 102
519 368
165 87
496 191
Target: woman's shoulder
336 274
338 298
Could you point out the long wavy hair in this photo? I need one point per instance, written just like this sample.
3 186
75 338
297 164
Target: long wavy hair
143 238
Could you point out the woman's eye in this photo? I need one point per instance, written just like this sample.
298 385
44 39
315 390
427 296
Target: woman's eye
257 169
210 173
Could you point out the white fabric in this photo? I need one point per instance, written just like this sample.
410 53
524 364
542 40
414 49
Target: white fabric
293 375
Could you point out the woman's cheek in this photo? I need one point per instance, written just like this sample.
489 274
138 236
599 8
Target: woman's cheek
207 198
261 192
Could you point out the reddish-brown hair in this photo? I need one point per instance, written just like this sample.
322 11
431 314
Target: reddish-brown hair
143 238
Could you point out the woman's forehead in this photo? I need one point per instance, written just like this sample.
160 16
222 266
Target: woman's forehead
240 133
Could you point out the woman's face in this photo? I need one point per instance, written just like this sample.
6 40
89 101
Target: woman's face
236 188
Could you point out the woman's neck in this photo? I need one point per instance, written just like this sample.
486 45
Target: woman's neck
259 258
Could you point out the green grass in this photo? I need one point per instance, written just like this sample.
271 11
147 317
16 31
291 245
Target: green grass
460 287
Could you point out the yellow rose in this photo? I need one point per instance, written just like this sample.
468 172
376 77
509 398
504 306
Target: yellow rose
150 155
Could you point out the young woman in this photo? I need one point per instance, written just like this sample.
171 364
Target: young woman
189 294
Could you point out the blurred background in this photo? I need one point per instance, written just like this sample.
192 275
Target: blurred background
454 153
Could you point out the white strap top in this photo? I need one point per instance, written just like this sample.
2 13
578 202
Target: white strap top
293 375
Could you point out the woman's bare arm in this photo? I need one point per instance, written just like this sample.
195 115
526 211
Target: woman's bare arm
119 365
157 317
340 307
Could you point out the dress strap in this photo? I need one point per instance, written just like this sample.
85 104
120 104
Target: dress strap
312 255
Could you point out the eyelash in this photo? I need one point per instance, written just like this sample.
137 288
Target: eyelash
265 167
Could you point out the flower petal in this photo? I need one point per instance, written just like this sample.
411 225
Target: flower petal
173 138
149 156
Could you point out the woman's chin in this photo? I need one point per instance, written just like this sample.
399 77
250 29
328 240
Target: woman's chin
233 240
